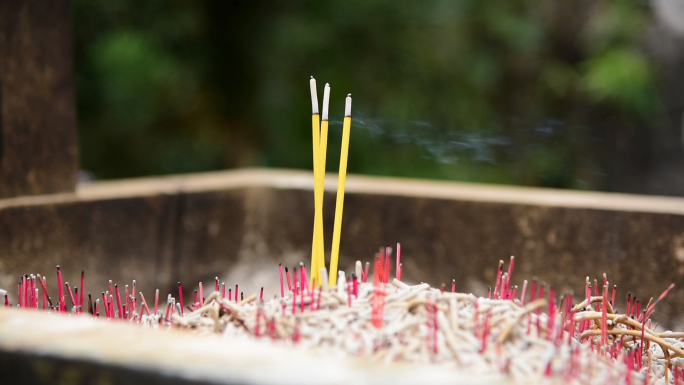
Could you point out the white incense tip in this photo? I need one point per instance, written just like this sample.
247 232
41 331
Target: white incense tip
314 96
2 293
347 106
326 101
324 278
341 282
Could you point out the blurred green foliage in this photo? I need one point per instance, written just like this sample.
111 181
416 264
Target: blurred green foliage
519 91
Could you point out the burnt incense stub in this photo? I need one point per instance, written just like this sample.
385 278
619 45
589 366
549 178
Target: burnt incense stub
38 142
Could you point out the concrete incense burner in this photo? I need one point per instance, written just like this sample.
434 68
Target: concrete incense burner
367 324
373 325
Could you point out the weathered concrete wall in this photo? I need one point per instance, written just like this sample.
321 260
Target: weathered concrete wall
242 223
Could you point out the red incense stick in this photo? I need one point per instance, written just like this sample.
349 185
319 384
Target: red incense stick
126 300
46 292
34 293
604 320
282 286
144 304
636 308
649 309
355 283
45 295
134 300
156 302
24 291
485 332
398 266
301 290
104 301
71 294
287 275
82 290
302 273
503 290
62 304
587 291
498 279
596 293
533 289
388 251
180 298
524 291
118 301
168 308
510 268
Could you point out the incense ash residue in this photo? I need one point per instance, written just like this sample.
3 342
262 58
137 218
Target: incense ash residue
526 337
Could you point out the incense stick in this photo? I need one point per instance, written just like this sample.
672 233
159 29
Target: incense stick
320 185
315 135
339 206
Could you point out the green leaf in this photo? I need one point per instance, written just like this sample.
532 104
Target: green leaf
622 76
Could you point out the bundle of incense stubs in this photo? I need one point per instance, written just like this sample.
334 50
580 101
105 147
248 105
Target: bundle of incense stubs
319 126
525 334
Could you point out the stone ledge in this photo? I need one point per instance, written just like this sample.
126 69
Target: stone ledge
44 348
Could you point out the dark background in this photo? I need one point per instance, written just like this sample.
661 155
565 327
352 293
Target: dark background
571 94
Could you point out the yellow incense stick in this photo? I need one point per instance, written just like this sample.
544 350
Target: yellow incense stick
315 128
339 206
320 187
